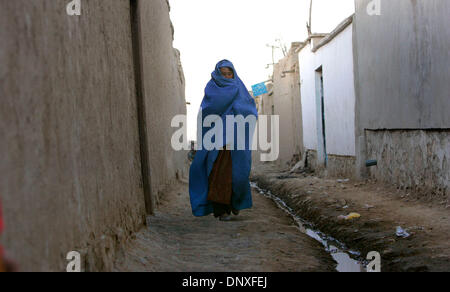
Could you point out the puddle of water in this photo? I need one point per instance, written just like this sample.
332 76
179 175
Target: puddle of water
336 249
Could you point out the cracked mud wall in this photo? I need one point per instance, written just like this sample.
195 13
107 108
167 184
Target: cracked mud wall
71 170
415 160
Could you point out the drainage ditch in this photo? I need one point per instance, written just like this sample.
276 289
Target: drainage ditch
348 260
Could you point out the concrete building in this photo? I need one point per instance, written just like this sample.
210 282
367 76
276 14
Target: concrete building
375 88
85 124
328 101
402 69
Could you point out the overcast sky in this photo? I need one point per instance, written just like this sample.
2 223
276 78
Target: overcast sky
207 31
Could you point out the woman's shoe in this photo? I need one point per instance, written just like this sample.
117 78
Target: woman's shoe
235 212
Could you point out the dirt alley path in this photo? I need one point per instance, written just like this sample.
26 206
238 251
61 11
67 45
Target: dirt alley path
382 207
262 239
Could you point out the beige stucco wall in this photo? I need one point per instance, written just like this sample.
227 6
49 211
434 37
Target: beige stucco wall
70 173
287 104
164 87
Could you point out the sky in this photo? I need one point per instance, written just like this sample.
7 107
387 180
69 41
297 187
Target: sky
207 31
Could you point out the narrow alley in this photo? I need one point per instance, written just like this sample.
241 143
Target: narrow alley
263 239
132 131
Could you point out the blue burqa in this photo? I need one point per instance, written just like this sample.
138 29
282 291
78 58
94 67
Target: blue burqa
223 97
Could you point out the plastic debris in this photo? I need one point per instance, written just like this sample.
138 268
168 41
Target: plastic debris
353 216
402 232
350 216
343 180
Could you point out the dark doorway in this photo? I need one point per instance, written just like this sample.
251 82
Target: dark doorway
321 115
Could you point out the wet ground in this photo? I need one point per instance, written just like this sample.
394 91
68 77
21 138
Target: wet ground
296 224
324 203
262 239
347 260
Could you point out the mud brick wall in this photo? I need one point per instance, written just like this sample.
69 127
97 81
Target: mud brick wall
70 172
412 159
164 92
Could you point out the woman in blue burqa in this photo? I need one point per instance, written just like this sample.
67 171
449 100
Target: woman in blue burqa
219 175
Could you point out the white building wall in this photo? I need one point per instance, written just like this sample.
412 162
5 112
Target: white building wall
336 59
308 96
